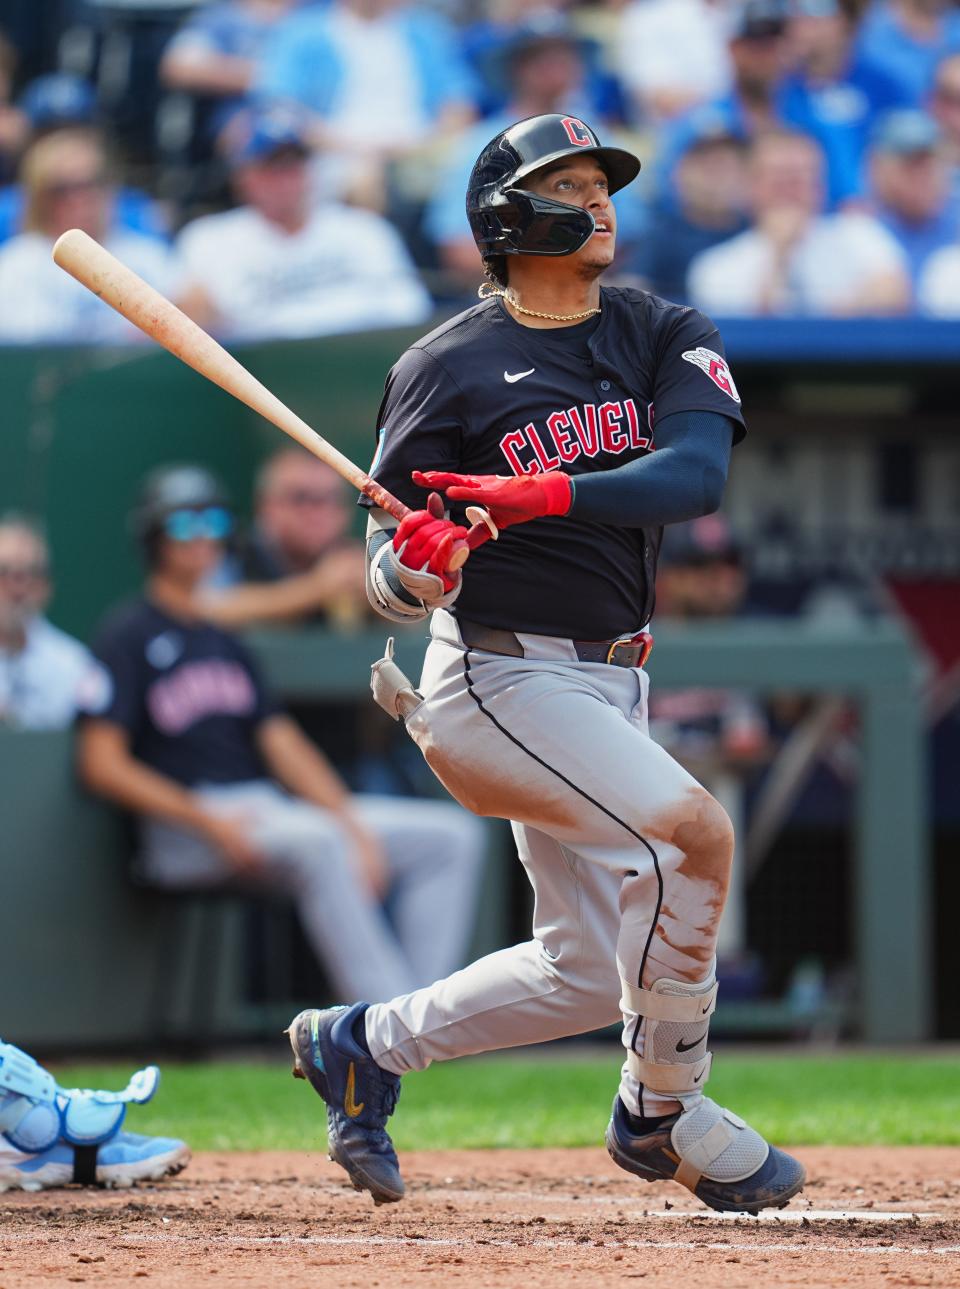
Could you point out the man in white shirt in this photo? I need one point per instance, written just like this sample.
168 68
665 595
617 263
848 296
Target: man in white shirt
795 260
280 266
674 54
66 185
938 291
41 667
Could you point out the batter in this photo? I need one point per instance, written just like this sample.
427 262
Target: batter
584 418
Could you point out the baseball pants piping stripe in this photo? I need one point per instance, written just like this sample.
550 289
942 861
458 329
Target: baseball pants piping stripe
593 801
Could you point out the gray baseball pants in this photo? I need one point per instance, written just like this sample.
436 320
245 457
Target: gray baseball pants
434 853
613 834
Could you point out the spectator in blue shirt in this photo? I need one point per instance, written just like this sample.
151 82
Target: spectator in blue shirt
833 90
60 101
763 98
217 52
910 185
545 74
491 44
382 80
13 124
906 39
711 187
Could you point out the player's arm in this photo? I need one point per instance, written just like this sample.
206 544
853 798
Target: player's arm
107 767
421 420
682 479
406 562
293 760
332 579
299 765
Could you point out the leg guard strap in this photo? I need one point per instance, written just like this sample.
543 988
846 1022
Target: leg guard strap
673 1060
678 1079
715 1143
85 1165
669 1006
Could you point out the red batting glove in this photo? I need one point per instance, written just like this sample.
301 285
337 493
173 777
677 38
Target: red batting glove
424 541
510 499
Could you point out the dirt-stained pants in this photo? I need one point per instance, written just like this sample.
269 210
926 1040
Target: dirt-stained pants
627 855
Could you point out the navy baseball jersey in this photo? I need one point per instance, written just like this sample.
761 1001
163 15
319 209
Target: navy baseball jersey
187 693
483 394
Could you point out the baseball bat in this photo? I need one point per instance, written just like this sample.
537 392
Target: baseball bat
117 285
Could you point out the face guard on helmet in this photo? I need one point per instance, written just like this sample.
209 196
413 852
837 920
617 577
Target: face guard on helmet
508 219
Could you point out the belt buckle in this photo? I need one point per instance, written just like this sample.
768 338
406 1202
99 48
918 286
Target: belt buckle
642 640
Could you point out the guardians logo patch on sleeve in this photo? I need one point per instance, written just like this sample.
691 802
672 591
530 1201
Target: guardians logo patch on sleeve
715 367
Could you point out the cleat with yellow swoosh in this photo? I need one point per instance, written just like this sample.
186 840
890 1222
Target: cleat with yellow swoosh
360 1097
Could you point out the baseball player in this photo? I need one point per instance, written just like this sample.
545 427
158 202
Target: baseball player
545 402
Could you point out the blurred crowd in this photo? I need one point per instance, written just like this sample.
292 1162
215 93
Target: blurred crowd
294 168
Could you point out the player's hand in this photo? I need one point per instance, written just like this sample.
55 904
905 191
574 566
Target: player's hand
338 574
510 499
423 545
231 838
367 855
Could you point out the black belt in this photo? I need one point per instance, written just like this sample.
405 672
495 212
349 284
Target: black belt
624 651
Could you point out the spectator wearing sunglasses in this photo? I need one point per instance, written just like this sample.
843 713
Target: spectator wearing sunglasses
178 727
41 666
66 185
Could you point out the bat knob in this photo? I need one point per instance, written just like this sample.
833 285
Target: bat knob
458 557
477 515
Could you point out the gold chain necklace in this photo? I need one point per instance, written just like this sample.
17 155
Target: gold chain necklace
487 290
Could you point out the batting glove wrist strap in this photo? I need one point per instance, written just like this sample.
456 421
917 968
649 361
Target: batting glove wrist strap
402 594
509 499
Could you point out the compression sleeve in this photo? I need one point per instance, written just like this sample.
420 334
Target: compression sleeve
682 479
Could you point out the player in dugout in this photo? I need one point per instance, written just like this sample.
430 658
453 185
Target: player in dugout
545 403
178 727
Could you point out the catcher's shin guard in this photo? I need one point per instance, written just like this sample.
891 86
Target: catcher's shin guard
35 1111
29 1114
705 1148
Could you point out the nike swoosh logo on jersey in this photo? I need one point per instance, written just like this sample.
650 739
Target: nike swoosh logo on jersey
688 1047
349 1104
512 377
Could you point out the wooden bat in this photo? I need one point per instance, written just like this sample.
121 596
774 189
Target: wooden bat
103 274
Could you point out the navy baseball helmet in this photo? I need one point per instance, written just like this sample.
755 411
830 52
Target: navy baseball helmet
508 219
170 488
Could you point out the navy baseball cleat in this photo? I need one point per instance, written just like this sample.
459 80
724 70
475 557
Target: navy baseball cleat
710 1151
360 1097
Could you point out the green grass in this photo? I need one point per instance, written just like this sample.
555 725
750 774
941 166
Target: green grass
860 1099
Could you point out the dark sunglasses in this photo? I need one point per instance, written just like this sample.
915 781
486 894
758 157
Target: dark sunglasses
214 524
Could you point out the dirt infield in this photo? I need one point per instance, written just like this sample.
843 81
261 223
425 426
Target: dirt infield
490 1218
